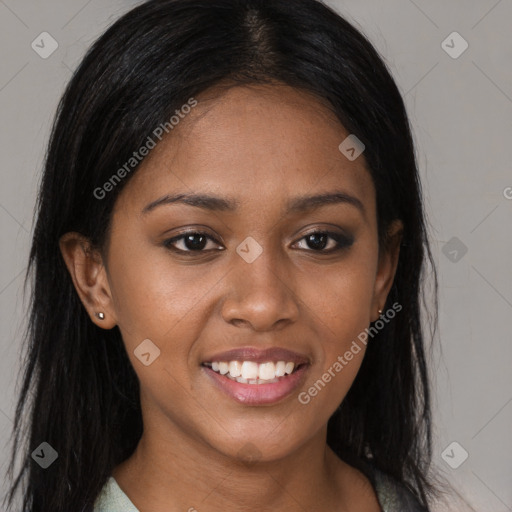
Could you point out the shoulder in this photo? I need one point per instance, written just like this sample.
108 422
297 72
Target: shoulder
393 496
113 499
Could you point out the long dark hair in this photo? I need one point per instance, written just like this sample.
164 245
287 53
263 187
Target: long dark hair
78 385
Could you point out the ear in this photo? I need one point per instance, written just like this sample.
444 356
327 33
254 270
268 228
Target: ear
388 261
89 276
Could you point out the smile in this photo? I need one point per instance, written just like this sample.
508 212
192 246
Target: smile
257 377
250 372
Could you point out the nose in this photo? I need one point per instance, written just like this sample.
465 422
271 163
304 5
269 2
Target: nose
261 295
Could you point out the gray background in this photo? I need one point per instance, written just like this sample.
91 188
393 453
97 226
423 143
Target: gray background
461 114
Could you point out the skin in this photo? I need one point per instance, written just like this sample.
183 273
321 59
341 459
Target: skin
261 145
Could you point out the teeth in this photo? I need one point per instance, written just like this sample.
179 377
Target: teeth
267 371
249 372
235 368
280 366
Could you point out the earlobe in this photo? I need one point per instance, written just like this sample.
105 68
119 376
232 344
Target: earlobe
87 271
387 265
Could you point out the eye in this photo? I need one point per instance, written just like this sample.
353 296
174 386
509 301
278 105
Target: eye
197 241
319 240
191 241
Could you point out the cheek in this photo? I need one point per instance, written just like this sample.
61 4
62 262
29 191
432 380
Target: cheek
339 302
152 297
339 360
340 296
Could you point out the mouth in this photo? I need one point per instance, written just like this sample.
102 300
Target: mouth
253 373
257 377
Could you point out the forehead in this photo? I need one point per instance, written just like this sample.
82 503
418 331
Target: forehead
262 141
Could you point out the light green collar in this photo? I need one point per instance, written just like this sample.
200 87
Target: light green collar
113 499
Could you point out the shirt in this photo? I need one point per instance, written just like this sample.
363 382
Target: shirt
392 496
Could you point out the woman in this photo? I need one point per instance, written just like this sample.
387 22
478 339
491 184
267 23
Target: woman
227 265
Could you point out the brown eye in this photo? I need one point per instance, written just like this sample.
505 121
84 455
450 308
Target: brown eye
317 241
193 241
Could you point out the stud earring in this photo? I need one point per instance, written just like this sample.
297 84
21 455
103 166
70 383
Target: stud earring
380 311
100 315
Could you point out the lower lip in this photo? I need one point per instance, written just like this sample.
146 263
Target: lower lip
258 394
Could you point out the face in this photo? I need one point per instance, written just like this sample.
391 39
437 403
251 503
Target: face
258 279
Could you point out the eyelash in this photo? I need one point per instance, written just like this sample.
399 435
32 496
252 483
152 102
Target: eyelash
343 242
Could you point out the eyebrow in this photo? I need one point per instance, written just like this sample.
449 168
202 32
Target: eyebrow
296 205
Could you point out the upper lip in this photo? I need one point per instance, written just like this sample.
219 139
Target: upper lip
259 355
